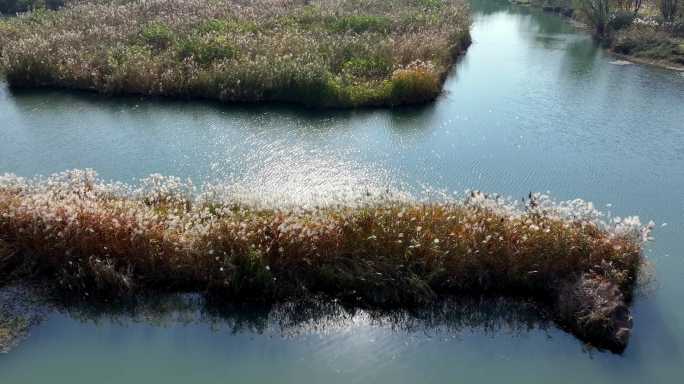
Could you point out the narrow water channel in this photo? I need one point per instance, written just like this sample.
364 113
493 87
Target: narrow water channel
533 106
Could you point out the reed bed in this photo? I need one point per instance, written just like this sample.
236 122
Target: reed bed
327 53
108 240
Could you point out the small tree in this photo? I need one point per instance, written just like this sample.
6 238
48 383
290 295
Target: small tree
668 8
597 13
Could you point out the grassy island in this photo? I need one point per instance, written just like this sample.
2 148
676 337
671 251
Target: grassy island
328 53
109 242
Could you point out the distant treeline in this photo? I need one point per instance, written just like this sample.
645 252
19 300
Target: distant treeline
14 6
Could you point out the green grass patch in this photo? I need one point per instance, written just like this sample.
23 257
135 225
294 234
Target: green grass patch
227 26
157 35
360 24
207 49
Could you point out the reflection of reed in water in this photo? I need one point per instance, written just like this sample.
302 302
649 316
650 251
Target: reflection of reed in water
24 307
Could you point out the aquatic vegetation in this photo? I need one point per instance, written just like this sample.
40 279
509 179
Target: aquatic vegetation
328 53
109 240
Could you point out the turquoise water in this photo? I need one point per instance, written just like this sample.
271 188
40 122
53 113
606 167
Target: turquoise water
533 106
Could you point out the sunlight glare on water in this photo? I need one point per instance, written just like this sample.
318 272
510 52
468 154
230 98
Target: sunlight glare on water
534 105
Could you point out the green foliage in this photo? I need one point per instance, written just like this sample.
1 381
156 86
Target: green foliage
31 72
432 4
413 86
122 55
245 275
311 17
417 19
367 93
157 35
372 67
649 43
207 49
621 20
308 16
360 24
226 26
7 30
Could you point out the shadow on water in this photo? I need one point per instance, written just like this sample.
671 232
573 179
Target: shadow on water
654 337
23 308
26 99
50 107
30 98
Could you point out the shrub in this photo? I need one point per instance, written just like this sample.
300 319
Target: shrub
360 24
230 25
647 42
157 35
207 49
621 20
414 85
7 30
431 3
370 93
30 72
372 67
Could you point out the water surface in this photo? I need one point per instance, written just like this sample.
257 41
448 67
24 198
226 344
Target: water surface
533 106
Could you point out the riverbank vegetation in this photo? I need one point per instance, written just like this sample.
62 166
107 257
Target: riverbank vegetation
110 241
10 7
646 30
320 53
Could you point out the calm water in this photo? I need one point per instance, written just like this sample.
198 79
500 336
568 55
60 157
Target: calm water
533 106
